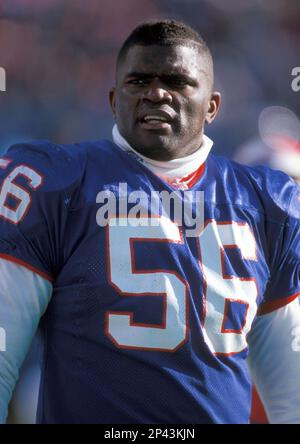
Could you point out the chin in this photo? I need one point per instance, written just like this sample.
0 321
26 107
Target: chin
157 148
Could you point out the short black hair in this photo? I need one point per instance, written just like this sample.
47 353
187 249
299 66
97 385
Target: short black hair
164 33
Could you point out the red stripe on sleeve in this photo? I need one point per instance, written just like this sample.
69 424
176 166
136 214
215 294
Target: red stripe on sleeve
26 265
268 307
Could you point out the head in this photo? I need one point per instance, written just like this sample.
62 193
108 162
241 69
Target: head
164 93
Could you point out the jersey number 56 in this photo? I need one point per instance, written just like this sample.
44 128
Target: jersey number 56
219 290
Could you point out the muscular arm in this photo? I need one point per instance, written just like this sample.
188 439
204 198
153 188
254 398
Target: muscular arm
274 362
24 296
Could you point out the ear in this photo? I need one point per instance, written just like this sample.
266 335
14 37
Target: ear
213 108
112 100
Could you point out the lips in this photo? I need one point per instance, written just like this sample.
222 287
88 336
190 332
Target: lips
152 118
156 119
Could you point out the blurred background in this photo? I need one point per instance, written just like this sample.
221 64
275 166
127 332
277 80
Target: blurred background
59 60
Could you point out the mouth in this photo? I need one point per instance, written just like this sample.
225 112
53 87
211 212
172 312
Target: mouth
156 120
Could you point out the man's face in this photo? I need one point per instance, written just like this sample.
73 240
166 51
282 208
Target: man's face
163 97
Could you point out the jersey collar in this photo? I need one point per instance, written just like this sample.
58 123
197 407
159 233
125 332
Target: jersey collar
179 173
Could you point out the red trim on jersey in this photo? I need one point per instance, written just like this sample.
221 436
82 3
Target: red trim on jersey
192 178
26 265
226 310
268 307
17 200
258 414
188 181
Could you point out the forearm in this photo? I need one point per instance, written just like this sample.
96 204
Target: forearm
24 297
275 362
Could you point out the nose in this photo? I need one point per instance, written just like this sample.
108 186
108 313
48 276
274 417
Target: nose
156 92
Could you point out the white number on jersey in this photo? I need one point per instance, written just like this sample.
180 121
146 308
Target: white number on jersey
121 328
20 196
219 290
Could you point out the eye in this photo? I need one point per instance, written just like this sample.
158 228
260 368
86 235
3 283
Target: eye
178 82
137 81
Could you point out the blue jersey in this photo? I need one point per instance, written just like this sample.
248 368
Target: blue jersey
147 324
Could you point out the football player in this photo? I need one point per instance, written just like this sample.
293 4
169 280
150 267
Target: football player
145 320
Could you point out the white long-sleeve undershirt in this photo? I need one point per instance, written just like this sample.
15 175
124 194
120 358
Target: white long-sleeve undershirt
274 361
24 296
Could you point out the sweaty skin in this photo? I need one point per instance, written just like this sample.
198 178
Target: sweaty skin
162 99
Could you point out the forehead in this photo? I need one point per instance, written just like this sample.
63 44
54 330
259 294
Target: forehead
161 60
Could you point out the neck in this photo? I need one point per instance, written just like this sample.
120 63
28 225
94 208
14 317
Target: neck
172 168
